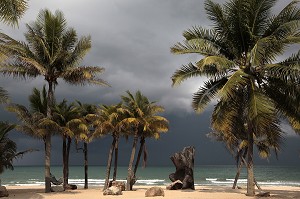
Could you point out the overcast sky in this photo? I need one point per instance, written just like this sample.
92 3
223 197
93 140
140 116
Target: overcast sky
131 39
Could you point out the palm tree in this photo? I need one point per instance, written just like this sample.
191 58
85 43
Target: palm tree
141 121
12 10
53 51
67 119
86 111
110 121
155 126
239 52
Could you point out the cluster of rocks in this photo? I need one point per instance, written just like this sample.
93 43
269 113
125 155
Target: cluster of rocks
116 188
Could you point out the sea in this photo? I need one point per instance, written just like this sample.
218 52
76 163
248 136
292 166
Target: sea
208 175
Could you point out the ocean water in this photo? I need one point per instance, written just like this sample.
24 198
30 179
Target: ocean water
203 175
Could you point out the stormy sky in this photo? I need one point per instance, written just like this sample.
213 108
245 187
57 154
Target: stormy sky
131 39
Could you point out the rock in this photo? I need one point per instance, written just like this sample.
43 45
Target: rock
57 188
175 185
3 192
119 184
184 163
154 191
113 190
71 186
263 194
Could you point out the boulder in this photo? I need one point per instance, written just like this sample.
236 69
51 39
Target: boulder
184 164
175 185
154 191
57 188
113 190
119 184
3 192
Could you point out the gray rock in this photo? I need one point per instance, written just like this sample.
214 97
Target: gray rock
154 191
119 184
113 190
3 192
57 188
175 185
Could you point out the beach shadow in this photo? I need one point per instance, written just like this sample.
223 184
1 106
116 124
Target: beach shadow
25 193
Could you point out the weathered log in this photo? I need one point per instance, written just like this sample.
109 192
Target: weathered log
184 164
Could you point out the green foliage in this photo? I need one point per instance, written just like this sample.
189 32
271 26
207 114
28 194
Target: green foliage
239 56
12 10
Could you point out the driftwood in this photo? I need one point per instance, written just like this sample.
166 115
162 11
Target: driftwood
184 163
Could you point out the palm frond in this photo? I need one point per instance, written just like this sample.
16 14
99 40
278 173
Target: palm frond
185 72
206 93
12 10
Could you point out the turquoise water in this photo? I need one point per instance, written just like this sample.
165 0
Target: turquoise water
204 175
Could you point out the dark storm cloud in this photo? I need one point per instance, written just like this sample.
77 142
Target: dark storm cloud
131 39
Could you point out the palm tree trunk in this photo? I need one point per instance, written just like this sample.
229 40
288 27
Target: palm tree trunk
47 163
67 159
64 150
250 170
50 102
130 173
85 150
116 158
109 161
237 174
242 162
139 155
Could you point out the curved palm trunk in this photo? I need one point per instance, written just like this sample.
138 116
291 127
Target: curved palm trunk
130 176
139 155
116 158
242 162
109 161
50 101
85 150
250 170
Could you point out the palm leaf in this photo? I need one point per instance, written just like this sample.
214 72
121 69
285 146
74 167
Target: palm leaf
206 93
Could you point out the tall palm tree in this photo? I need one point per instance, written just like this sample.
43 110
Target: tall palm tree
12 10
86 112
110 121
239 59
156 125
142 119
53 51
67 119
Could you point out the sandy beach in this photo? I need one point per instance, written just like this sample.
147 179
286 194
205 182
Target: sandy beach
203 192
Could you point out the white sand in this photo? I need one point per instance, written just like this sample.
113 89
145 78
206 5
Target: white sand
201 192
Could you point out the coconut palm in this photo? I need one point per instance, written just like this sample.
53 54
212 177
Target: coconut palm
86 111
53 51
239 59
142 120
110 121
156 125
12 10
66 118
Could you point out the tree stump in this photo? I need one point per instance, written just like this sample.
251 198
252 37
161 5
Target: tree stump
184 163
